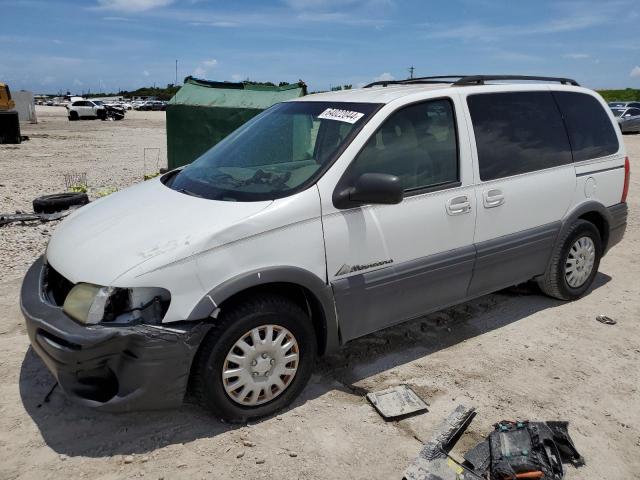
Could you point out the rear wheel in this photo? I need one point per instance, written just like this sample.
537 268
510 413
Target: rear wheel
256 360
73 116
574 264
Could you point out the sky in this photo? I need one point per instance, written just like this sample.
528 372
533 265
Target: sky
50 46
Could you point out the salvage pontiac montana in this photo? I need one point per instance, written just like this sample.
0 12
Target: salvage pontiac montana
319 221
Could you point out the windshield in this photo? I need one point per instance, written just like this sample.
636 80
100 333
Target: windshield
617 104
618 111
281 150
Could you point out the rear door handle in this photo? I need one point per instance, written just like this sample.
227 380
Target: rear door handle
493 198
458 205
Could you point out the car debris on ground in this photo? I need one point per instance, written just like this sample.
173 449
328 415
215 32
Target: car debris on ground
397 402
514 450
7 218
606 320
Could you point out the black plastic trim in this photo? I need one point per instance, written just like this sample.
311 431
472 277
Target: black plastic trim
592 172
373 300
512 259
279 274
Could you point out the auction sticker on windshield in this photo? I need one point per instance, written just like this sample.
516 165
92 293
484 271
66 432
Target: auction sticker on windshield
341 115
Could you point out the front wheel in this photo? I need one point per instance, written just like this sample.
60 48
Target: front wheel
256 360
575 262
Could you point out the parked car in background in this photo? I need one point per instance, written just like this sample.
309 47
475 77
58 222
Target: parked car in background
624 104
153 105
85 109
628 119
92 109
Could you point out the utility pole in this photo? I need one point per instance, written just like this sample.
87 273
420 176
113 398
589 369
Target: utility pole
176 84
411 70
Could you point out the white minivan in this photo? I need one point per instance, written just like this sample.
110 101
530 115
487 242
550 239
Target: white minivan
319 221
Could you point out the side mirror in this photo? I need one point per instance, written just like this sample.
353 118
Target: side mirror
371 188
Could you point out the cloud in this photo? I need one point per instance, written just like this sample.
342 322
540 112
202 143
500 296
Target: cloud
145 73
635 72
386 76
132 5
577 56
203 67
238 77
77 83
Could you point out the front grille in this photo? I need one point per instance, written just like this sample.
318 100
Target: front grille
56 287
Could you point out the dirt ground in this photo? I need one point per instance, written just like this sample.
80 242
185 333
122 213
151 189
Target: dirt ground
514 354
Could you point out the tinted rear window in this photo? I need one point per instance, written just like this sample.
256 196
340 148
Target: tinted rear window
517 132
591 133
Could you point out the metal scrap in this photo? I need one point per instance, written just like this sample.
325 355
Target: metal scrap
433 462
396 402
7 218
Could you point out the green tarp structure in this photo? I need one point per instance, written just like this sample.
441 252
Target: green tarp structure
203 112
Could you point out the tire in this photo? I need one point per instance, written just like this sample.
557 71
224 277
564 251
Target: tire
556 281
236 323
59 201
73 116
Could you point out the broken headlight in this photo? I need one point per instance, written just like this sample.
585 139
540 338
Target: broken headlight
92 304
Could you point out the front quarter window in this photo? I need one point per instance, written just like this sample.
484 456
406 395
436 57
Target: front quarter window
277 153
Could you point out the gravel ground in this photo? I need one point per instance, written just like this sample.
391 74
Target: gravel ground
513 354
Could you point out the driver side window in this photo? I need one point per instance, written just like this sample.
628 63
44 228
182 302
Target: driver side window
418 144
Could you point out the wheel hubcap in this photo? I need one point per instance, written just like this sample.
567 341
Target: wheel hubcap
580 261
260 365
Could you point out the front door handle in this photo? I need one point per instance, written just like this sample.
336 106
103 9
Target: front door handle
458 205
493 198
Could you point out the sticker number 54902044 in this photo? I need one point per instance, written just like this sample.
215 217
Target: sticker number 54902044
341 115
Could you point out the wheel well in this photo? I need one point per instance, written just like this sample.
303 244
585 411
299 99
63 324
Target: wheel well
601 224
301 296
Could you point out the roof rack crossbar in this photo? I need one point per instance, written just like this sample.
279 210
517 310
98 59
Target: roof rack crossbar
481 79
466 80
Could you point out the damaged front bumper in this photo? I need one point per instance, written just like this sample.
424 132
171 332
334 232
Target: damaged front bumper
119 368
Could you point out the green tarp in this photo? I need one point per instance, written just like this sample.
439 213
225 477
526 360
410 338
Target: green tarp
202 113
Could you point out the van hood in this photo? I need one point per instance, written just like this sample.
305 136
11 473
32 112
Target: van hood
145 226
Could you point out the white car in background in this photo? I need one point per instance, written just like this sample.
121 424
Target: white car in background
86 109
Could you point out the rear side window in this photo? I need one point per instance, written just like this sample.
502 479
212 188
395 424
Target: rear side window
590 130
517 132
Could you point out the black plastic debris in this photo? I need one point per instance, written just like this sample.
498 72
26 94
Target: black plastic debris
397 402
523 449
514 450
7 218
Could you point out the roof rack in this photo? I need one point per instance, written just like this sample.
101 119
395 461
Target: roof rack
480 79
466 80
418 80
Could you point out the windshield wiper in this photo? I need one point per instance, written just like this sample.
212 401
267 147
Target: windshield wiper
190 193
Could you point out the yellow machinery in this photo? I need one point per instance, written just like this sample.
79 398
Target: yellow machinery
9 122
5 98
